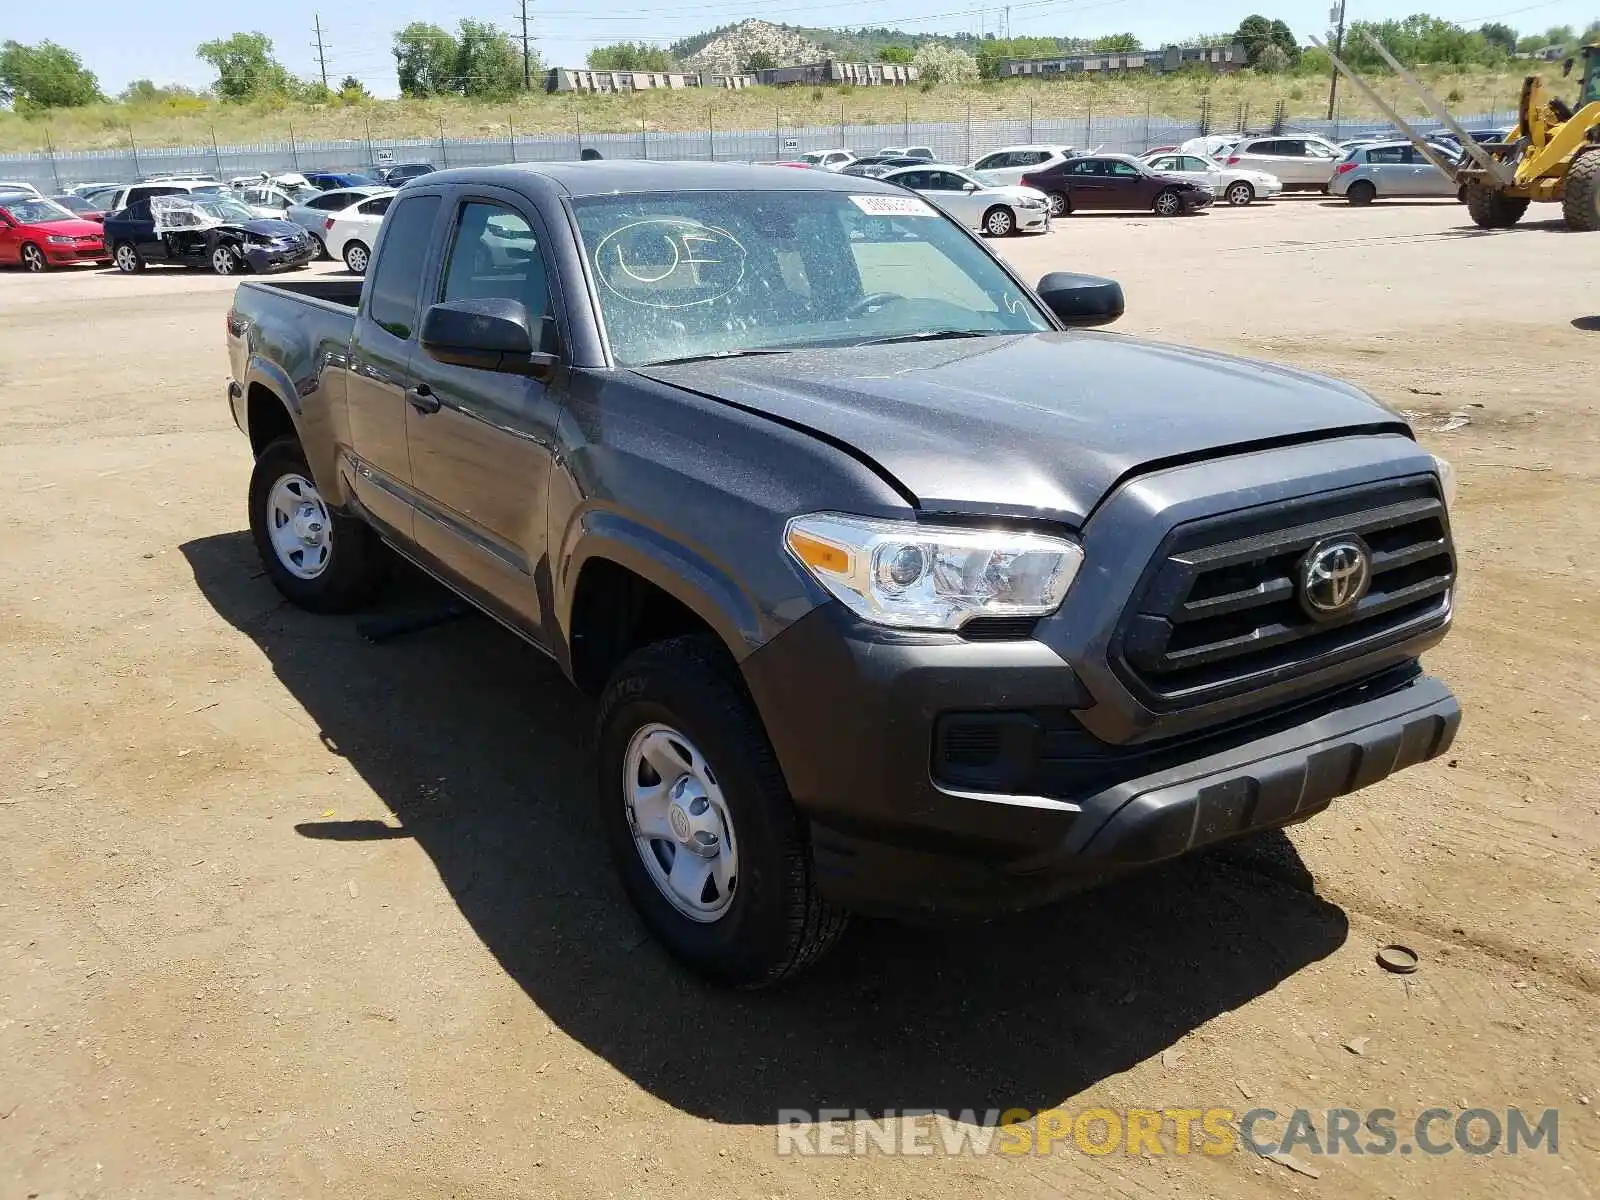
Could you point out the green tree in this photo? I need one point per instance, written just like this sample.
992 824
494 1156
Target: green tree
245 67
1527 45
425 60
1419 38
1499 35
1560 35
1256 33
45 76
353 91
1283 38
944 64
630 56
1117 43
489 65
759 60
895 54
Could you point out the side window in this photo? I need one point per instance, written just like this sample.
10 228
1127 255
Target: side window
1168 164
1292 149
1085 166
330 201
1388 154
993 162
494 253
1190 163
392 302
376 208
944 181
1121 168
915 180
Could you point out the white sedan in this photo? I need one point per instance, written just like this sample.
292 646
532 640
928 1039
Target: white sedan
995 210
1236 185
351 233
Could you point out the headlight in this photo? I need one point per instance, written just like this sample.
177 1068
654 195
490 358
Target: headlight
1447 480
927 577
56 239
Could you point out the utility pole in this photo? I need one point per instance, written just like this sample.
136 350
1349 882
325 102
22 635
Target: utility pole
322 56
527 55
1336 15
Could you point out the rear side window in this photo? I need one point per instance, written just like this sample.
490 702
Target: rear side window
1388 154
376 208
328 201
393 302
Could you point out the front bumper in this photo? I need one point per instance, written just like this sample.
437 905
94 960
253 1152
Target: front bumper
79 252
1197 200
853 714
1031 219
264 259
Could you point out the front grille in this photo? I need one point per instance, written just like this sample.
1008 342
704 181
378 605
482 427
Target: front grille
1219 610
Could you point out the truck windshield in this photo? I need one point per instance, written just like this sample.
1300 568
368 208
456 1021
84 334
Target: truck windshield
691 274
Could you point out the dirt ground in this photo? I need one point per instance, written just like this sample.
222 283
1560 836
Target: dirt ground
287 914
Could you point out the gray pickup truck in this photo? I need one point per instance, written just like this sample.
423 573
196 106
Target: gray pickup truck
898 593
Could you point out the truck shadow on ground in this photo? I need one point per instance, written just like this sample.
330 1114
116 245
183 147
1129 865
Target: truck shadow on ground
480 749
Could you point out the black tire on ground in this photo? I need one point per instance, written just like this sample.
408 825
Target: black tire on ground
127 258
1361 192
358 561
1494 210
33 258
999 222
1060 204
777 924
1580 202
357 253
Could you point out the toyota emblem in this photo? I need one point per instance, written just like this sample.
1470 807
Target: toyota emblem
1334 575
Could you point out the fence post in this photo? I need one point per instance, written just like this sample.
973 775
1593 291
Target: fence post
50 149
967 157
294 151
216 154
841 124
907 130
644 142
1088 127
1030 118
511 130
1244 117
444 151
711 129
1146 123
577 125
372 156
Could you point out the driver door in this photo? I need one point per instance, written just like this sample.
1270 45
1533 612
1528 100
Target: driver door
949 191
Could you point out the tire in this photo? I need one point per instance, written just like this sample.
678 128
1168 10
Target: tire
772 923
1361 193
33 258
322 249
127 257
1490 209
999 222
357 257
1580 200
351 564
1168 204
225 260
1461 194
1240 194
1060 204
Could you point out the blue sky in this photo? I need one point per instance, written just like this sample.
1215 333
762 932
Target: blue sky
121 41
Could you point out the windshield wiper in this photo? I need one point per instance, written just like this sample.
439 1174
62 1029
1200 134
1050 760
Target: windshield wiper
689 358
930 335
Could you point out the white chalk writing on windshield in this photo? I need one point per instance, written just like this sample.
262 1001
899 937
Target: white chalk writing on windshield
669 262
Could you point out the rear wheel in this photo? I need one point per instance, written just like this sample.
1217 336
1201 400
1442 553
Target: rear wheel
127 258
356 257
318 558
1240 193
1580 202
998 222
33 258
1168 204
322 248
1060 204
1490 209
699 821
1361 192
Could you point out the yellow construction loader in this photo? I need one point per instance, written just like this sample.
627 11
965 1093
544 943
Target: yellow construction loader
1553 154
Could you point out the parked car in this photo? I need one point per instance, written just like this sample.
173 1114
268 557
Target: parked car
312 214
217 232
828 160
1233 184
1010 163
1389 169
875 165
79 207
925 153
276 199
84 189
37 234
1102 181
351 233
1209 146
16 186
997 211
328 181
121 196
897 593
405 172
1303 163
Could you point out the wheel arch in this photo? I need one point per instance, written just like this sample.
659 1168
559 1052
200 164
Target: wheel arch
274 408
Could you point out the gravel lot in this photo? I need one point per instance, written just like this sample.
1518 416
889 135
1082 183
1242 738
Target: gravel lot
292 915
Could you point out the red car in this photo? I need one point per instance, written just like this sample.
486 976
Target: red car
40 234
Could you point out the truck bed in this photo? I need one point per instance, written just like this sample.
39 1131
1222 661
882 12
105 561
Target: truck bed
345 293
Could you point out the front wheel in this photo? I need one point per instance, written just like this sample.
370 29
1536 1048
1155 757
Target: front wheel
1361 193
356 257
127 258
1168 204
1060 204
699 822
1240 194
319 559
225 260
322 249
998 222
33 258
1490 209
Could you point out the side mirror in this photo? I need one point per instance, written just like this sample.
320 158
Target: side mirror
491 334
1081 299
969 186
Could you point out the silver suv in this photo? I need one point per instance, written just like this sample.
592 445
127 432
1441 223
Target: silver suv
1304 162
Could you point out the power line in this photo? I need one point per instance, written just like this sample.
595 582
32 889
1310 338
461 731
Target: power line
322 57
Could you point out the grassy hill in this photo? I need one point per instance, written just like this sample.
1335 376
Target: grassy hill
194 120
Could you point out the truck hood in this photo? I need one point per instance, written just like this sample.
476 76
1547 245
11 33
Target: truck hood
1032 424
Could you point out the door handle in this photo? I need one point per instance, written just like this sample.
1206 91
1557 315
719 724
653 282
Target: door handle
422 399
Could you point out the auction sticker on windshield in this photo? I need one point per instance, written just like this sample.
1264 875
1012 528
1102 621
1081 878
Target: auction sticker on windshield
892 206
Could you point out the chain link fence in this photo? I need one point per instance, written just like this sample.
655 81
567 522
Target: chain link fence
958 134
